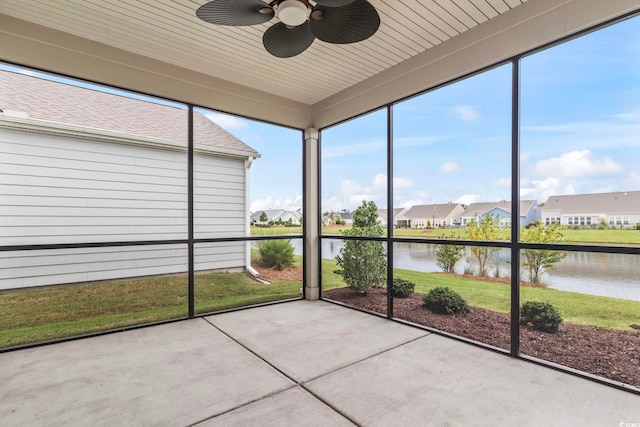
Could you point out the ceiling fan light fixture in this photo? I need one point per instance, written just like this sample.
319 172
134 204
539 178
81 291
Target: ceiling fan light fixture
292 13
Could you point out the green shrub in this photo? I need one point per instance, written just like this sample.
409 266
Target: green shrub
402 288
541 316
276 253
445 301
638 226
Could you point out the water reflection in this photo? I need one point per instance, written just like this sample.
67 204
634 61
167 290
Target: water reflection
612 275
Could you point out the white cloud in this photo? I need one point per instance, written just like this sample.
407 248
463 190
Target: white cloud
402 183
289 204
578 164
502 182
586 135
632 181
379 182
227 121
467 199
353 192
466 113
542 190
632 114
450 167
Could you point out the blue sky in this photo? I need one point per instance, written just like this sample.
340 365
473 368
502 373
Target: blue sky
580 133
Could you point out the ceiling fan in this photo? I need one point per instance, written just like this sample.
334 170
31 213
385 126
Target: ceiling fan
301 21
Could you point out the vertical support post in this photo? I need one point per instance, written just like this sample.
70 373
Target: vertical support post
515 208
311 223
190 215
390 211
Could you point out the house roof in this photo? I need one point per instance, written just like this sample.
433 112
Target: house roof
346 215
479 209
271 213
396 211
428 211
598 203
65 103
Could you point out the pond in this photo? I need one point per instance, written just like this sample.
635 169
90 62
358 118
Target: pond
611 275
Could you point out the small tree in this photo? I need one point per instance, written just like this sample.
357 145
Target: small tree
484 229
362 263
264 217
447 256
537 261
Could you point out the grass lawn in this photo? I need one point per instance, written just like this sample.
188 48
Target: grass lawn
580 309
49 314
275 231
619 237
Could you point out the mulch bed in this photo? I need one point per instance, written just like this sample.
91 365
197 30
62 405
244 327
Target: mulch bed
603 352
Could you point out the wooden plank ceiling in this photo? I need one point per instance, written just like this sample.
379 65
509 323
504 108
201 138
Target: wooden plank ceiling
169 31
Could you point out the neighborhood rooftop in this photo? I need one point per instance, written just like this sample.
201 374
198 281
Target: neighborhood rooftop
622 202
42 99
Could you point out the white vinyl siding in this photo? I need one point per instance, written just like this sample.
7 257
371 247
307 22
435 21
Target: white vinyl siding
61 266
219 197
57 189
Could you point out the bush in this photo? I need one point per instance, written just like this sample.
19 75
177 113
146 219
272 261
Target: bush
276 253
638 226
445 301
402 288
541 316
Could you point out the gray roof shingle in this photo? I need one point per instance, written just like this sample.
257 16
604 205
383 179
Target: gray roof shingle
598 203
478 209
69 104
428 211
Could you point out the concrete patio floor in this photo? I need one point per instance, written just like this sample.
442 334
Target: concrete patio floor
294 364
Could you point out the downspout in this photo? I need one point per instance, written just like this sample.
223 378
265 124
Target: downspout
247 215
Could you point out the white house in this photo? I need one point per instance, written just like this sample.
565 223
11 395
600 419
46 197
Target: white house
620 209
276 215
80 165
397 213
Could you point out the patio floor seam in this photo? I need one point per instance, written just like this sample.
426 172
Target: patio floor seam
301 384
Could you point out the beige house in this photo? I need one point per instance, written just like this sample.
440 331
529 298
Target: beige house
620 209
435 215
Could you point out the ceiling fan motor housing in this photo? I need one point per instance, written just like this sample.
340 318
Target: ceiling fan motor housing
293 12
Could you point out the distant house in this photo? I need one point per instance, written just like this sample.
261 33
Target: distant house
529 212
435 215
276 215
346 216
83 166
620 209
396 213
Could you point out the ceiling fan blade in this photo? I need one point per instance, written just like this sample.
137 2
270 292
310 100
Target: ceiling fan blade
351 23
334 3
284 42
235 12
